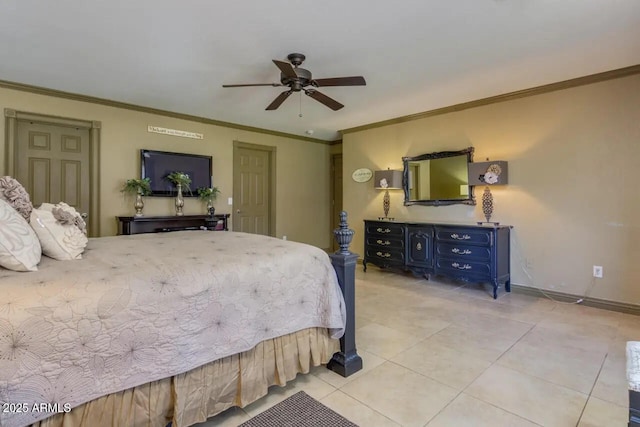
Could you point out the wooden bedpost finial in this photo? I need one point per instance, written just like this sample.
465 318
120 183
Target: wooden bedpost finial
343 234
346 362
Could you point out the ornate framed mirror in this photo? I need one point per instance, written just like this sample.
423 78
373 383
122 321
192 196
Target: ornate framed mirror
438 179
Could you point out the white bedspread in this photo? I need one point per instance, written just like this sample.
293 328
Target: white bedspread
139 308
633 365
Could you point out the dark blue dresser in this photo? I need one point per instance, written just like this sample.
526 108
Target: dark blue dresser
474 253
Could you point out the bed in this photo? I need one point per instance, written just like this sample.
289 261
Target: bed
633 378
170 327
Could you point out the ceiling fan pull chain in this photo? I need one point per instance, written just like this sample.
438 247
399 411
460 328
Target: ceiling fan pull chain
300 110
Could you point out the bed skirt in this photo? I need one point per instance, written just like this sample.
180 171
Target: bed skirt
203 392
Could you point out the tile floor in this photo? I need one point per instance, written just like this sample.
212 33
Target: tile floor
443 353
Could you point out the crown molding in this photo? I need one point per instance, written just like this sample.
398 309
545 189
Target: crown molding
117 104
538 90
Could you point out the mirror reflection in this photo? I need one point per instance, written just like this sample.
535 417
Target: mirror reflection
439 178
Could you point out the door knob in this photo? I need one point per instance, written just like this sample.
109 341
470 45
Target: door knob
238 211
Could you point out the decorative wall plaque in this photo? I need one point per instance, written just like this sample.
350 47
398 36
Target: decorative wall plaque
362 175
175 132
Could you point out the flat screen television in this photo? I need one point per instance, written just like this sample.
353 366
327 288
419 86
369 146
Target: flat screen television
156 165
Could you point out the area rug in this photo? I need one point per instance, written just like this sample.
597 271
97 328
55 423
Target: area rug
299 410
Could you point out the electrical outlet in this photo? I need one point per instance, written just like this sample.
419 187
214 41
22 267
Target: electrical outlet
597 271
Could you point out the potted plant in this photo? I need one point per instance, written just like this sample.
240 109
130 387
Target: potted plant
208 195
139 187
180 180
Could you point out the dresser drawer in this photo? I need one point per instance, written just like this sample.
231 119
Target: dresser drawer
385 255
463 252
463 268
474 236
384 241
384 229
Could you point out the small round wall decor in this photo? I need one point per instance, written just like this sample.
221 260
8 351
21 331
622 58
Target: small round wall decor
362 175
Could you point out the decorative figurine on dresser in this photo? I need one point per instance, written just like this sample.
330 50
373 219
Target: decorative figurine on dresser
474 253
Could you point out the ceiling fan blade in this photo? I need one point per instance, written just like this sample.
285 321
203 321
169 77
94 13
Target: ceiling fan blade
324 99
254 84
286 68
341 81
279 100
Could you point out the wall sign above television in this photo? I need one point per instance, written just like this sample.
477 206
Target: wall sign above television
175 132
156 165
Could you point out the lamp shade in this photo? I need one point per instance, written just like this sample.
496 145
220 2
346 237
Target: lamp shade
489 173
392 178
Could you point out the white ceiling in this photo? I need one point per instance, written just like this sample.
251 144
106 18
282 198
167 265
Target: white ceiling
416 55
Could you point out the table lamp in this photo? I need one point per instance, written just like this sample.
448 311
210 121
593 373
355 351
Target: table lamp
387 180
488 174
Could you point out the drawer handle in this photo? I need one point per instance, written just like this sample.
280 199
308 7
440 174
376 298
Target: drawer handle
383 230
461 251
461 267
419 246
383 242
458 237
383 255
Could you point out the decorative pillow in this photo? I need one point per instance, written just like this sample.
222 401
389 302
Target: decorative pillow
59 240
66 214
19 246
14 193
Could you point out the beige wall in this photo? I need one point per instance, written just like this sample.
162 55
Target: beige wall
573 196
302 187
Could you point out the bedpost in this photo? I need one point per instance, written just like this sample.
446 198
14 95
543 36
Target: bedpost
346 361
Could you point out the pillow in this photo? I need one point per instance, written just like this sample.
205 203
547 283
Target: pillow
61 241
66 214
14 193
19 246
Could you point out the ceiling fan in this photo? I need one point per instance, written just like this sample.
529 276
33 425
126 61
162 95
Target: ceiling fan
298 79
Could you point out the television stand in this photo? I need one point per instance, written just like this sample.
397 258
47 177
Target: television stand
156 224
